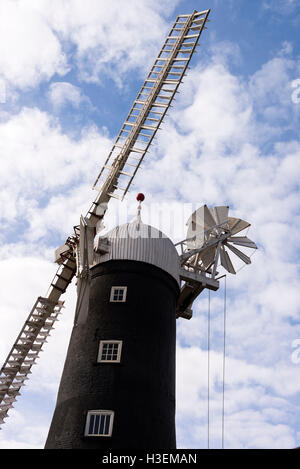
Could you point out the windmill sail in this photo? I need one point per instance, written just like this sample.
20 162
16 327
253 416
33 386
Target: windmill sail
25 351
236 225
240 254
220 214
242 241
32 336
226 262
148 110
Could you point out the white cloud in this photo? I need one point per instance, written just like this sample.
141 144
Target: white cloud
281 7
40 165
41 39
29 50
109 40
254 416
62 93
272 93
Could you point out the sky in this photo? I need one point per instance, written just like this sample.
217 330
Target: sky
69 72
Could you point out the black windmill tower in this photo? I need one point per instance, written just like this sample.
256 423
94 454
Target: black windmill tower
118 384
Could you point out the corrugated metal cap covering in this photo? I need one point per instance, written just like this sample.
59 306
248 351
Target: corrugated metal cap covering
140 242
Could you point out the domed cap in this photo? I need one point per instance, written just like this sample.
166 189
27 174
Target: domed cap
140 242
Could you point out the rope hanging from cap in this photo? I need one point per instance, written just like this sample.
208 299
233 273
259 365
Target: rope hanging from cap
223 364
208 366
224 358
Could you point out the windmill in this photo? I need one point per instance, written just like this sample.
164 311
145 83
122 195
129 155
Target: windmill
118 384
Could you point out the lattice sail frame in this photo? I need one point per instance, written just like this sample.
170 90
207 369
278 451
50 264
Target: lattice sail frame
149 109
31 338
25 351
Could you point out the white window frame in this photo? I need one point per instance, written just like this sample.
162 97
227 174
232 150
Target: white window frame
102 342
112 291
100 413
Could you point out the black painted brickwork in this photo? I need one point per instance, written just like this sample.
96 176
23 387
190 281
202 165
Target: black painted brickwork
140 389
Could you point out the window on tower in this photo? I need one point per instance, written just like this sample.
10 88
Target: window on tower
99 423
118 294
110 351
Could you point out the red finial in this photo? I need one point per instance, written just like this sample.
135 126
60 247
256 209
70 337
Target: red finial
140 197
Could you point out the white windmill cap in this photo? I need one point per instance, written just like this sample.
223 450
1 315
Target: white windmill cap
140 242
